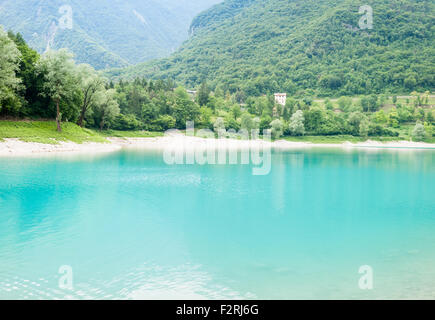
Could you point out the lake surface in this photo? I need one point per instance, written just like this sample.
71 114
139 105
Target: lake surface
132 227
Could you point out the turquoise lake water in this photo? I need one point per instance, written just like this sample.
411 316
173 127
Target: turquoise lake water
132 227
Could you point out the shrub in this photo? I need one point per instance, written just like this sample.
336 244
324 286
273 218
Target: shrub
164 122
296 126
277 128
419 133
126 122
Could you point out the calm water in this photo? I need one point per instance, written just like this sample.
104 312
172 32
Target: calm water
131 226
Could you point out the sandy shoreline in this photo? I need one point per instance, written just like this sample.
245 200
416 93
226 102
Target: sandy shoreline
17 148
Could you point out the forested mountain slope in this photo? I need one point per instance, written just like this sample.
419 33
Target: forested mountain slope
104 33
313 46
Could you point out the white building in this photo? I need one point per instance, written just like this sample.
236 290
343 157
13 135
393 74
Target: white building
192 94
281 98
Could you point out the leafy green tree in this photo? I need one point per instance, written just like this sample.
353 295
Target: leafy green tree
205 117
410 83
259 106
203 94
126 122
185 109
9 66
219 126
219 92
382 100
31 83
149 110
419 114
355 119
286 114
405 115
393 118
138 103
356 106
165 122
232 123
308 100
90 85
365 103
278 110
381 117
344 103
61 81
428 128
277 128
105 107
419 132
373 103
290 105
256 123
247 122
329 105
296 125
240 96
330 82
265 121
364 128
236 111
314 118
213 102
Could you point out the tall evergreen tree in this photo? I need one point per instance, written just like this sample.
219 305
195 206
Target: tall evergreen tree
203 94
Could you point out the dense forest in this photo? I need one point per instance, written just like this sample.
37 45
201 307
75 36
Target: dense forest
305 47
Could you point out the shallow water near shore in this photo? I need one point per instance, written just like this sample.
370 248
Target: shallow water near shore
131 226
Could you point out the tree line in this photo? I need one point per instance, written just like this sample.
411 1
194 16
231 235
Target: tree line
304 48
53 86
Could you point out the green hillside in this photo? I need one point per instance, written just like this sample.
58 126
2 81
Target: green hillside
305 47
104 33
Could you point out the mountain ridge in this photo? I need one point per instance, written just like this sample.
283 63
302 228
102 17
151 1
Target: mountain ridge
104 34
304 47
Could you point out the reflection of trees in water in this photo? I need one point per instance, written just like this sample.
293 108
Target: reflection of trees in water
387 159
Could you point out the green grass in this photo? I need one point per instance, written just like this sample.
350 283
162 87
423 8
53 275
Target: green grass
405 132
45 132
404 136
131 134
337 139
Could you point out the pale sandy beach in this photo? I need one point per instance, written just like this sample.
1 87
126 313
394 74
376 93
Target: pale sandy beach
15 147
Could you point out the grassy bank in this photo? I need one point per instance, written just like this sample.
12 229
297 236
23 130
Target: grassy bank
45 132
130 134
337 139
348 138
